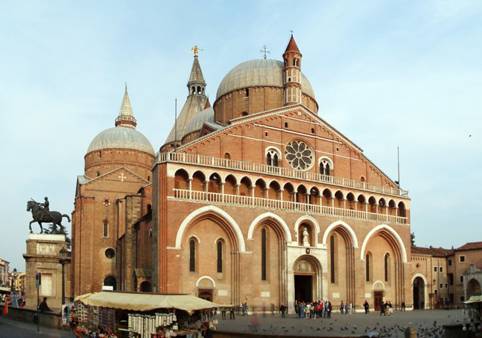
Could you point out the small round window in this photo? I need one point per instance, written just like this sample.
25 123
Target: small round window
299 155
110 253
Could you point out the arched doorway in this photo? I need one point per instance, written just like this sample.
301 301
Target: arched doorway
307 283
111 282
205 288
378 295
418 293
473 288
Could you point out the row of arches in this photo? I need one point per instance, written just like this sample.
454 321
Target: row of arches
238 238
287 191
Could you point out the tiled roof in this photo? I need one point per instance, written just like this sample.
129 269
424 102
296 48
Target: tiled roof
436 252
471 246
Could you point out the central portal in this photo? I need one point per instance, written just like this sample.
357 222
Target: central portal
304 288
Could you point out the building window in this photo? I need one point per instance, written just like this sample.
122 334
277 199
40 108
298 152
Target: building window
367 267
219 248
462 298
263 253
462 259
192 255
246 93
332 259
441 269
435 268
110 253
272 157
325 166
286 124
441 286
450 262
450 276
461 279
387 266
106 229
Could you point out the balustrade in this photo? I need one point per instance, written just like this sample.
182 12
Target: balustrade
237 200
209 161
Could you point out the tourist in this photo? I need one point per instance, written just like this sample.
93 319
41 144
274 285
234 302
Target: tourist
403 306
342 308
244 307
43 307
366 306
223 313
330 308
231 312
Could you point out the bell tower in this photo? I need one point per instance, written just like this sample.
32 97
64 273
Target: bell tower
292 73
196 83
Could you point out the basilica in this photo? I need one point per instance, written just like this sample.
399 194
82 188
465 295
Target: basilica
254 198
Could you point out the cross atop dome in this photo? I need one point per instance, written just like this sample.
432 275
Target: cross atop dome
126 116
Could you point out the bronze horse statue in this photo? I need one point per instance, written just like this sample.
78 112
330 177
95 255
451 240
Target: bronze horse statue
45 216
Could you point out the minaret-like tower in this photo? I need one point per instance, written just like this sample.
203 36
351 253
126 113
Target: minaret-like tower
196 83
292 73
126 116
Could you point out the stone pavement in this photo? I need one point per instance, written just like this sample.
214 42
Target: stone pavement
16 329
428 324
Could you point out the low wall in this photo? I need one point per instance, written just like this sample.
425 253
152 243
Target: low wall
52 320
221 334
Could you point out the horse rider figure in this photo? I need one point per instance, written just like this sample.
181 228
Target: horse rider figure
45 207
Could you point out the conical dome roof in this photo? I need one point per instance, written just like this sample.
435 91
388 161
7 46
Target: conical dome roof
124 135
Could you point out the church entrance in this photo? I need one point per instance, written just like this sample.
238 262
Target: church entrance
206 294
304 288
306 274
378 300
418 293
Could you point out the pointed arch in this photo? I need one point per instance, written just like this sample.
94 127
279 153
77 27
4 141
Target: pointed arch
344 225
273 216
215 210
392 232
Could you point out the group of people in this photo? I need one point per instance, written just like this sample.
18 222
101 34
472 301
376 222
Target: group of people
386 308
318 309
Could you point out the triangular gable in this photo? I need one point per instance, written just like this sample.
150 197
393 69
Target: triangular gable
306 113
118 177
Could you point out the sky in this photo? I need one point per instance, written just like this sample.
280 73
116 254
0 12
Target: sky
385 74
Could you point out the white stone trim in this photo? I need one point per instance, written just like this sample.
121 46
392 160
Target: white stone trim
308 219
344 225
208 278
392 232
216 210
277 218
378 282
332 166
280 155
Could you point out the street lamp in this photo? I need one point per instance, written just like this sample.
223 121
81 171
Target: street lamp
63 258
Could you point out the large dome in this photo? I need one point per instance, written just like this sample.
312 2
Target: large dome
258 73
121 137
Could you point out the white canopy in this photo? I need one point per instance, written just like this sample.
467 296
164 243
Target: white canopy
474 299
144 301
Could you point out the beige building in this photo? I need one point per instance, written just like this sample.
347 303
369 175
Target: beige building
4 271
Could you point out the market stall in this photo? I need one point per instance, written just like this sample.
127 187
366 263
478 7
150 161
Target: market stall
143 315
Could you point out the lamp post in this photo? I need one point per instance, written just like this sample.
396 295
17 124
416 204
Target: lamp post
63 258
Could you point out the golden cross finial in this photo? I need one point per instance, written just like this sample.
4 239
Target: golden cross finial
195 50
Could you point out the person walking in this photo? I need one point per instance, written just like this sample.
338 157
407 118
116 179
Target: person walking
366 306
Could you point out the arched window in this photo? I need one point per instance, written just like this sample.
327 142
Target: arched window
367 267
110 281
272 157
387 266
325 166
106 229
219 261
263 253
332 259
192 255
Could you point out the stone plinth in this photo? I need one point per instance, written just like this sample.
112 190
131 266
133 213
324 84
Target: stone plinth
43 256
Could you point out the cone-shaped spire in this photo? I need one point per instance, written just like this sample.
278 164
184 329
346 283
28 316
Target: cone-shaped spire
126 116
292 46
196 83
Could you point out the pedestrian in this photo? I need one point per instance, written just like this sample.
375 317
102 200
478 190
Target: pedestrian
231 312
366 306
342 308
330 308
403 306
223 313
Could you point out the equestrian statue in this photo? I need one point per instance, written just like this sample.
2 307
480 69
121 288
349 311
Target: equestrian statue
42 214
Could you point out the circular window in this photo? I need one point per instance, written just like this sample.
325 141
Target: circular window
299 155
110 253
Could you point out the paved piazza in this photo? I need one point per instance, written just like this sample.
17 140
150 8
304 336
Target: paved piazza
348 325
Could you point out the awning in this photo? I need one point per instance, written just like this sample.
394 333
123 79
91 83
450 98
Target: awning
474 299
145 301
4 289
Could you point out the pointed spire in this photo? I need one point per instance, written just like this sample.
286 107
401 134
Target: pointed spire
292 46
126 116
196 83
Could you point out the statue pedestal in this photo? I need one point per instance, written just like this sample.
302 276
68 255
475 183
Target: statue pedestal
42 256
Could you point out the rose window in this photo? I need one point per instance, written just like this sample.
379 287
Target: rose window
299 155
